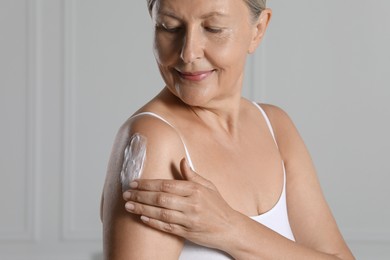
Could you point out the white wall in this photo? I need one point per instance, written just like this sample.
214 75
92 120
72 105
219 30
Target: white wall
327 64
72 71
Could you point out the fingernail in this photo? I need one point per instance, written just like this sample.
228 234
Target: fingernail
127 195
144 219
133 184
129 206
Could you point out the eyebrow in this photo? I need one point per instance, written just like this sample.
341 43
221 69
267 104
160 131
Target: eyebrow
211 14
204 16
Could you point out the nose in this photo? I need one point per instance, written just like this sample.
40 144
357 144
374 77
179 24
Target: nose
192 46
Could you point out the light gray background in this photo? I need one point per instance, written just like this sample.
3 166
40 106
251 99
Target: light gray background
72 71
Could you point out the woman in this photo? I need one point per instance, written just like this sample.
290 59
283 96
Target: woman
244 165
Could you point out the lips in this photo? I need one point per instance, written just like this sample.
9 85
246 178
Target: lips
195 75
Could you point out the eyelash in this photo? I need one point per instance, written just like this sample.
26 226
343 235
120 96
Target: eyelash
172 30
213 30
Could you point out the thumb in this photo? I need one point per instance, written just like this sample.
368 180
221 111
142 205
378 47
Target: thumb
190 175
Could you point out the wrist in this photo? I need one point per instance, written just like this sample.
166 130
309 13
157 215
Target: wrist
240 242
234 237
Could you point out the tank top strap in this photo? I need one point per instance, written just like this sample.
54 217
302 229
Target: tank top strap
267 121
273 136
188 157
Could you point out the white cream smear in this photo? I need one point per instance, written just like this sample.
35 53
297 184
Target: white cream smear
134 158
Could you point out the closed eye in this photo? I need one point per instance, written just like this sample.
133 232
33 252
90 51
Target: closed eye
214 29
171 29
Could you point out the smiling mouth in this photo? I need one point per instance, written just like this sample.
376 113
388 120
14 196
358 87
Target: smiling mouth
195 75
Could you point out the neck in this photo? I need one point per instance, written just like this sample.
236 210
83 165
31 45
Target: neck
221 116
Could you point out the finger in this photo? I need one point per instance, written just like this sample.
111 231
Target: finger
191 175
160 214
178 187
157 199
174 229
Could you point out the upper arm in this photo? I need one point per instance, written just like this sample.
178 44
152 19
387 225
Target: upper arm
310 217
124 235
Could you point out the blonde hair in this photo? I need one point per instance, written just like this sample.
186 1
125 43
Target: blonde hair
255 6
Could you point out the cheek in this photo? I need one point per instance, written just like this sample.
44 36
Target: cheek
165 55
165 49
229 55
232 49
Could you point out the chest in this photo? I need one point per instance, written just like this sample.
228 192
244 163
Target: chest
249 176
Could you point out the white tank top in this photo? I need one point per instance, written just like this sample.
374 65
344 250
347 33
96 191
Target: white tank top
275 219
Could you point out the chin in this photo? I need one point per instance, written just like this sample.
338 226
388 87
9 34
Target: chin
190 96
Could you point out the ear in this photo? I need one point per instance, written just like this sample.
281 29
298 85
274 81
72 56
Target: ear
259 28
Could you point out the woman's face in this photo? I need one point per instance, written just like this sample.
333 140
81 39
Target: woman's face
201 47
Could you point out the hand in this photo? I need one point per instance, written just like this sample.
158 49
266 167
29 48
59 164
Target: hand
191 208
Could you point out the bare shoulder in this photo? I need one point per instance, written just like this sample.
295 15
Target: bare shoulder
277 116
286 134
292 148
272 109
124 234
310 217
163 147
164 144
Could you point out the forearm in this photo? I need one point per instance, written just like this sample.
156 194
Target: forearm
249 239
